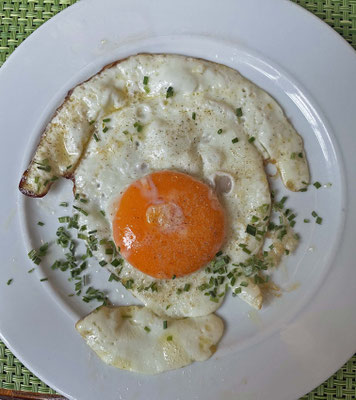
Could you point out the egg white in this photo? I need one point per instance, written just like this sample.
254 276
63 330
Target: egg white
145 131
135 339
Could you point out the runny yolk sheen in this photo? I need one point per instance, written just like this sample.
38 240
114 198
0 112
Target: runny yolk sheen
169 224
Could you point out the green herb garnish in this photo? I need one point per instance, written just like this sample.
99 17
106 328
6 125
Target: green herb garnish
170 92
113 277
238 112
251 230
81 210
317 184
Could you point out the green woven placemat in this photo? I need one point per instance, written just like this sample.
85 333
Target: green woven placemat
18 19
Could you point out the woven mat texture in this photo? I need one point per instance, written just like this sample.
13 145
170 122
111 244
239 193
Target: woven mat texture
18 19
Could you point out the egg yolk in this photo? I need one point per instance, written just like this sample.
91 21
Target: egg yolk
168 224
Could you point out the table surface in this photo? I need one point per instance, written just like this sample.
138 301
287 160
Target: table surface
18 19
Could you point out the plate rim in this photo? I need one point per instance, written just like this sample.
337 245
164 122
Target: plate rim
63 13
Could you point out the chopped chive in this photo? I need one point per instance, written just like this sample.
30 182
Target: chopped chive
219 131
237 290
179 291
9 282
115 263
92 122
84 200
105 129
147 89
138 126
292 223
319 220
30 270
300 155
170 92
244 284
317 184
306 220
113 277
287 252
125 132
54 178
291 217
238 112
63 204
63 219
165 324
292 156
46 168
235 140
107 120
187 287
194 115
69 167
252 139
43 279
92 232
102 263
147 329
96 137
109 251
81 210
314 214
169 306
128 284
82 236
258 279
251 230
145 80
174 277
40 223
169 338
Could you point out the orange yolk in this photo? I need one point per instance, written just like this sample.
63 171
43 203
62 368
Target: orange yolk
168 224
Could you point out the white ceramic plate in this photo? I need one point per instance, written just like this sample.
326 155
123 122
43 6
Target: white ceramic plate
297 340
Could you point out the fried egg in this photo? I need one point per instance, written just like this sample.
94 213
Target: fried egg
116 334
164 148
